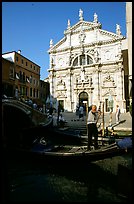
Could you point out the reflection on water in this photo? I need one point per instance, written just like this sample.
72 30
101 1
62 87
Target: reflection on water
42 182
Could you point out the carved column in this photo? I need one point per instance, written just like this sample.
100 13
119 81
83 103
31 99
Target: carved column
120 87
123 90
69 39
69 89
51 82
96 85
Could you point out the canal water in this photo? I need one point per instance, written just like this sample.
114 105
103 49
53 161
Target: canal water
32 181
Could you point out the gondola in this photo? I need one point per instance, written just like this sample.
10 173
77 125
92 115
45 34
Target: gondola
65 136
46 151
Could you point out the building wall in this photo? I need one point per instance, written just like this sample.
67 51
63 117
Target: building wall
8 81
26 76
44 91
129 40
99 80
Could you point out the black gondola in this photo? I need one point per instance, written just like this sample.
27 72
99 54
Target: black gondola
47 151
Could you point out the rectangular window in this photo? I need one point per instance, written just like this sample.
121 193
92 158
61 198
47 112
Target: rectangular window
30 79
30 92
34 93
20 90
26 63
17 59
37 93
22 61
20 75
34 81
11 73
26 91
106 105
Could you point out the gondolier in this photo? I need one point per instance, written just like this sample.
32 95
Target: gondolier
92 120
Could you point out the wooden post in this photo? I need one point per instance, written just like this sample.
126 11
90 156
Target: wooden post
86 115
58 114
103 126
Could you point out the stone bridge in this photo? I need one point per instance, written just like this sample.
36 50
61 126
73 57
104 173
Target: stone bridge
18 118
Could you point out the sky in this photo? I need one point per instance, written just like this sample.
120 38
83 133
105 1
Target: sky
29 26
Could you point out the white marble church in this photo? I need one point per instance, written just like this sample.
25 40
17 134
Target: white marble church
86 65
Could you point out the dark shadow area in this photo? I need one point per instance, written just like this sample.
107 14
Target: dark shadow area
44 182
33 179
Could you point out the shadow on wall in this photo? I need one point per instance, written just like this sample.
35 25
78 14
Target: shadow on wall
14 120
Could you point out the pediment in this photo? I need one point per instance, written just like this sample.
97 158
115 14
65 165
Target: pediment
92 33
85 25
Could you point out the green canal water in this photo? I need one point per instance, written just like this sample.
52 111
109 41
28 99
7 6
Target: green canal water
29 181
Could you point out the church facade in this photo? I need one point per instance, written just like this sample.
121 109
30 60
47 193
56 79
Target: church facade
86 66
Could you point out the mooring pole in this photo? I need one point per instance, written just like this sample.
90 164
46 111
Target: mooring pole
103 126
86 115
58 114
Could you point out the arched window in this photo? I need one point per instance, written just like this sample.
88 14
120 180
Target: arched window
82 60
89 60
75 63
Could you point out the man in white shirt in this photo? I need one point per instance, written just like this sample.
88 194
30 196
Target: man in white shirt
92 120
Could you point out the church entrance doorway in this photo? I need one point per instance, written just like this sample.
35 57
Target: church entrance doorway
83 97
61 105
109 103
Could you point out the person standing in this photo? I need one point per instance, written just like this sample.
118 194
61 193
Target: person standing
118 112
81 112
92 120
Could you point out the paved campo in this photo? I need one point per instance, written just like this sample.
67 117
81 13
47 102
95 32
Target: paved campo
74 122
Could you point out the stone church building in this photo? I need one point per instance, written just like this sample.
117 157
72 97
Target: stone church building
87 65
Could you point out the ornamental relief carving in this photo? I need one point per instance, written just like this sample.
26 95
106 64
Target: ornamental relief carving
108 82
71 57
61 61
106 92
108 55
91 51
61 94
61 85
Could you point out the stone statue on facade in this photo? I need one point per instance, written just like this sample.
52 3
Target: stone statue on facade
80 15
82 74
51 60
82 35
119 52
96 55
90 82
68 24
51 43
95 18
118 31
